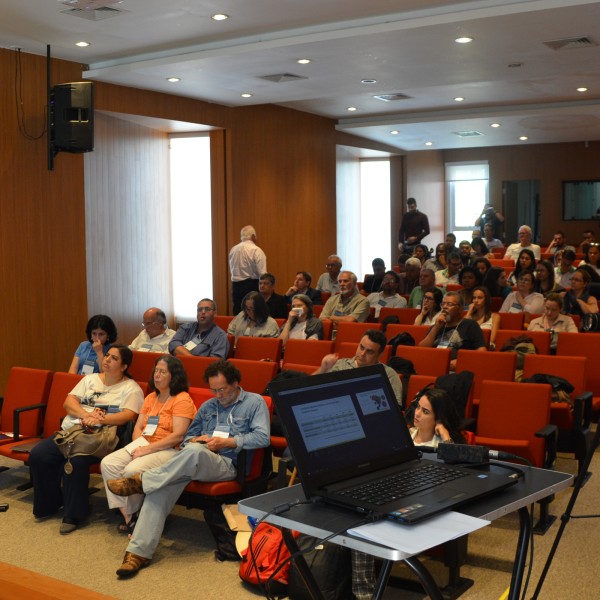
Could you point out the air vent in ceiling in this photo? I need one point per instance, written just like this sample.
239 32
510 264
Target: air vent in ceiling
571 43
467 134
282 77
92 10
392 97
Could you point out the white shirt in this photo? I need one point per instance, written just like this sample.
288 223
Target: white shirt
493 243
534 304
377 299
159 343
441 277
247 261
514 250
325 284
563 279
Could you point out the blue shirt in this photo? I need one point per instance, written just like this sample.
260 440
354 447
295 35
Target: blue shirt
248 420
86 353
214 341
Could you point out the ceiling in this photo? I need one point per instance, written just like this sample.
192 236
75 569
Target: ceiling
507 75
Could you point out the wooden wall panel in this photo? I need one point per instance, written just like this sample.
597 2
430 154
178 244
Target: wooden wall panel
42 257
128 247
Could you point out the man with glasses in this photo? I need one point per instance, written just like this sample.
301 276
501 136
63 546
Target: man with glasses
203 337
450 273
276 303
328 282
388 294
233 420
525 237
426 284
156 335
451 330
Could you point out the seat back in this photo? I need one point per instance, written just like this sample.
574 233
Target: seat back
510 414
195 366
25 386
578 344
324 297
62 384
258 348
406 316
352 332
307 352
415 384
308 369
200 395
510 320
223 321
417 331
255 374
142 364
348 350
497 366
427 361
541 339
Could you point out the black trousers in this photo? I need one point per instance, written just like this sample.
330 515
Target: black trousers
53 488
239 289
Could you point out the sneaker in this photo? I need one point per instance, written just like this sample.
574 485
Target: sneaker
132 563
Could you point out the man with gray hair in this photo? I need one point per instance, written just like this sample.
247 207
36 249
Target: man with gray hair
328 282
348 305
156 335
201 337
247 262
525 236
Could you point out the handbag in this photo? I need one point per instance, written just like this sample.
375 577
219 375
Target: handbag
84 441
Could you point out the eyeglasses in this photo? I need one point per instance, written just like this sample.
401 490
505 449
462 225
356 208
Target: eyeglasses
204 309
331 265
577 280
428 298
216 391
148 323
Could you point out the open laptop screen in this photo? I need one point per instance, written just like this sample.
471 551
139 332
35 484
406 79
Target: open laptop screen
342 424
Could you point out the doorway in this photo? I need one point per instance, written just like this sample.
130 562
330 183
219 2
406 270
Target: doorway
521 207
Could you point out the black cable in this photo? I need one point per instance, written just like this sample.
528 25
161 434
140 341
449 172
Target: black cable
19 102
531 555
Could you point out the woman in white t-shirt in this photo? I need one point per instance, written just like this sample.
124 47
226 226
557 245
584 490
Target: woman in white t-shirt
107 398
524 299
301 323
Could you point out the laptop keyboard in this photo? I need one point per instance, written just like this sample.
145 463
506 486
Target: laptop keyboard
403 484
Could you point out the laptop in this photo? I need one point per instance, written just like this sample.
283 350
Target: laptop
347 436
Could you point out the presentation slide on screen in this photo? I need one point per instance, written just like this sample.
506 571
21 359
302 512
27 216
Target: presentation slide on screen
373 401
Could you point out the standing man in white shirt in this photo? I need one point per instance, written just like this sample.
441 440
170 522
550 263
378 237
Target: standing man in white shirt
247 262
156 335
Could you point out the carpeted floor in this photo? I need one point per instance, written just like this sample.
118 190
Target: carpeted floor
184 567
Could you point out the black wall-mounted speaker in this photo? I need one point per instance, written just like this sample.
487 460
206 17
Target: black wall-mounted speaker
72 106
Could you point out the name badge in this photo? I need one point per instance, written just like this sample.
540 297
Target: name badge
516 305
151 426
145 348
221 431
338 313
88 367
382 303
192 343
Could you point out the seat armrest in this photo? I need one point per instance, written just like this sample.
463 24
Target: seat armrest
17 417
582 411
241 466
550 434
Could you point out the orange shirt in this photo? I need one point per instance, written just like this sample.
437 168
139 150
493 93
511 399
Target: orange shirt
176 406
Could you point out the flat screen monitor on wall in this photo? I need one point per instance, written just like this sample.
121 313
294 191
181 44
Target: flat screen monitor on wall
581 200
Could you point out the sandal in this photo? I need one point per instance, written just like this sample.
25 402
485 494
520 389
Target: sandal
130 525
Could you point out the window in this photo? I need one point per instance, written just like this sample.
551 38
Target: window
191 231
467 188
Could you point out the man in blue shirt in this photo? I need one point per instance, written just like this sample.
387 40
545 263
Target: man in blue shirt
231 421
202 338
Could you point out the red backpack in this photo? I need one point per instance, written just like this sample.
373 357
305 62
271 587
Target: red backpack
265 552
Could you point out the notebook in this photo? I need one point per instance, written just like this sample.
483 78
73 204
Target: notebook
345 431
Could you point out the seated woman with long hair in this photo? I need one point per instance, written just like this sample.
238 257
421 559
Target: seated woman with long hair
592 257
525 262
482 264
301 323
480 249
100 333
480 310
578 300
495 282
421 252
254 319
435 420
430 307
545 283
166 414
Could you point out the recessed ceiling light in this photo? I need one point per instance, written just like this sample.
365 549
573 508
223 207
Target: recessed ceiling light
246 95
523 138
351 108
303 61
458 99
173 79
495 125
429 143
368 81
219 17
582 89
83 44
463 40
394 132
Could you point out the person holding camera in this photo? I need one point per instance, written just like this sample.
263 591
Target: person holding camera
301 323
493 217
